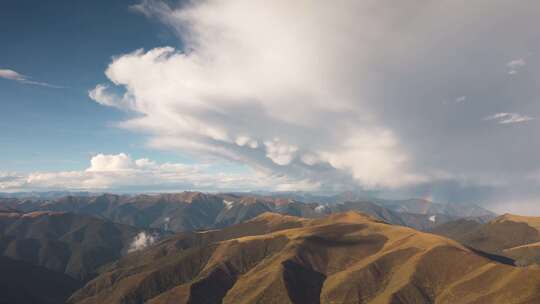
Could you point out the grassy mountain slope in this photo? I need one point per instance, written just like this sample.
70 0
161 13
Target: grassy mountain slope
343 258
76 245
510 235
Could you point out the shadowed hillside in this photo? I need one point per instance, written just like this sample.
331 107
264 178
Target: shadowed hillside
76 245
342 258
22 282
513 236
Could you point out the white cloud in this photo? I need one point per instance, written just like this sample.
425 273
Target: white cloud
461 99
246 141
13 75
351 99
244 82
279 152
515 65
370 157
118 162
310 159
320 209
141 241
99 94
509 118
120 172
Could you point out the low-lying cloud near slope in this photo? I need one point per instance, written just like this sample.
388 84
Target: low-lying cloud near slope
142 240
345 93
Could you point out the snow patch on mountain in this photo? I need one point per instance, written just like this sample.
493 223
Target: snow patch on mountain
228 204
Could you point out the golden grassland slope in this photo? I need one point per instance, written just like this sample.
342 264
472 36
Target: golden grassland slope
343 258
514 236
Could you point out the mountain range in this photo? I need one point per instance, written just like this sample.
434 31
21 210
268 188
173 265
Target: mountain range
196 247
512 236
189 211
343 258
73 244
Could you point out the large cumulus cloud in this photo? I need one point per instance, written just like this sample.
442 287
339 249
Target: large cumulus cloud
371 94
270 76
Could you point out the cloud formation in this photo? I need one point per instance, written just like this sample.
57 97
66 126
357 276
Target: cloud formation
264 102
509 118
461 99
119 172
342 95
515 65
11 75
141 241
15 76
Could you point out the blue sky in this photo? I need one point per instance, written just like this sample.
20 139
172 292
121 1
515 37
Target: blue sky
67 43
435 99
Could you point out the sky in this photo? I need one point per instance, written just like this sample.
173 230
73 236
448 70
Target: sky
433 99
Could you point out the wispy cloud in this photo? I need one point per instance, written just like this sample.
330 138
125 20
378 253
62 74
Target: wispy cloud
509 118
121 172
461 99
11 75
515 65
15 76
